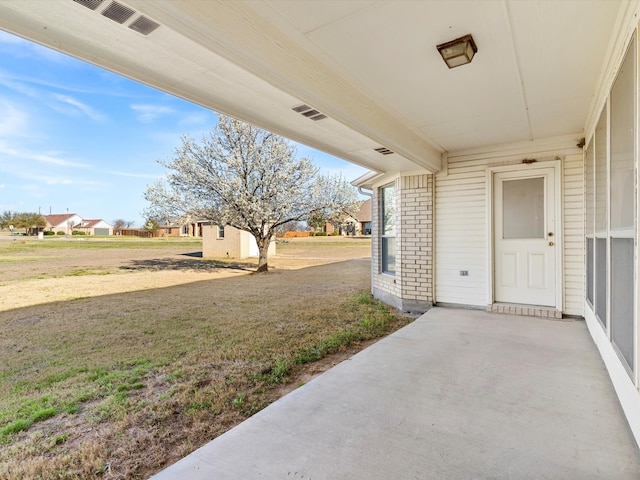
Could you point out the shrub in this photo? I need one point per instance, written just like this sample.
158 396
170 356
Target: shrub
320 234
48 233
78 232
59 233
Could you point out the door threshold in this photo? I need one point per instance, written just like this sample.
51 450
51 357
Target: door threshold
525 310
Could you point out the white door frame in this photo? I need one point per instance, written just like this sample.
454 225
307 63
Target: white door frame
556 165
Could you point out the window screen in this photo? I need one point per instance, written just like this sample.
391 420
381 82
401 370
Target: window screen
622 297
601 280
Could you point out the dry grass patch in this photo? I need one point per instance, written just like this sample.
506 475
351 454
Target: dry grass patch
121 385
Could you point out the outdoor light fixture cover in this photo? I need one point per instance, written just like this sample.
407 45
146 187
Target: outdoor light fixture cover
458 52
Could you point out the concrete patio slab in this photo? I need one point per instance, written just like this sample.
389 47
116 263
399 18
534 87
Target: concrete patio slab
457 394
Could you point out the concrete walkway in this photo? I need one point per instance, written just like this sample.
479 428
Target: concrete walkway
455 395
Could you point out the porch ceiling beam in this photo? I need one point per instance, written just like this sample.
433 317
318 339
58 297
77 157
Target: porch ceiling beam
246 42
238 33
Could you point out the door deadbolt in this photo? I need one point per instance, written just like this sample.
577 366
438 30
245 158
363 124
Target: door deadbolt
550 234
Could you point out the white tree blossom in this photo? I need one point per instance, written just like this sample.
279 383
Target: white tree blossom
245 177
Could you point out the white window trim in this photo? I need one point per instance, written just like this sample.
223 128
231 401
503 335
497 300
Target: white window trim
382 235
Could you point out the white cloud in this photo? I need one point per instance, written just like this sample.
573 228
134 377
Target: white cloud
13 122
50 158
59 181
199 118
72 106
135 175
44 158
148 113
18 85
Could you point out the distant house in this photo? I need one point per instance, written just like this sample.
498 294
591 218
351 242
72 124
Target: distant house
62 222
179 229
194 229
357 224
360 222
68 222
169 229
220 241
94 227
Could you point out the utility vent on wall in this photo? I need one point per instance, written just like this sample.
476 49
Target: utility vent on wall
144 25
90 4
383 151
118 12
307 111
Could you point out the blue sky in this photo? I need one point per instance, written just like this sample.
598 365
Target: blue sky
77 138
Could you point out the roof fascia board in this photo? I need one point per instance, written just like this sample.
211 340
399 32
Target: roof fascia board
366 179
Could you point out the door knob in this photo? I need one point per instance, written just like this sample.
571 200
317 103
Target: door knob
551 244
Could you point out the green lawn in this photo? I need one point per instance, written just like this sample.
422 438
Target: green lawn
124 384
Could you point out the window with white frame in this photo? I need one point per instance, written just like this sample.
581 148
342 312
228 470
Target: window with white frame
622 201
610 177
388 229
220 231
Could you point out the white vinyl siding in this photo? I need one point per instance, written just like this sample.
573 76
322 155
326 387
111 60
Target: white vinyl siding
461 234
573 220
461 227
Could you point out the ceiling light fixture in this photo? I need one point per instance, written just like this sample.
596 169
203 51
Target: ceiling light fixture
458 52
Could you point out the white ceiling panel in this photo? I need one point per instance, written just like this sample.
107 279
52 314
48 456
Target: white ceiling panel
309 16
560 48
558 118
470 131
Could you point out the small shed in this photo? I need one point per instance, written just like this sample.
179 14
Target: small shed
219 241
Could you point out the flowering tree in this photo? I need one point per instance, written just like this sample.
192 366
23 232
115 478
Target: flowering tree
245 177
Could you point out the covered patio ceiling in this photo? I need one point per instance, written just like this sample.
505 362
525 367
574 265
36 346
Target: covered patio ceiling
371 67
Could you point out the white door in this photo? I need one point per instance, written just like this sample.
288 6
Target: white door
525 237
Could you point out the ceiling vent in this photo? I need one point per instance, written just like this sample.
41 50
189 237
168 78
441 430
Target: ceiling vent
307 111
118 12
144 25
383 151
90 4
121 14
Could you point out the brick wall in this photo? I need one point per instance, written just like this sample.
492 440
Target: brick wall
411 288
416 249
214 247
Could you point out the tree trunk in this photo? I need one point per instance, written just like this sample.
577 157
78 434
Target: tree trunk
263 249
